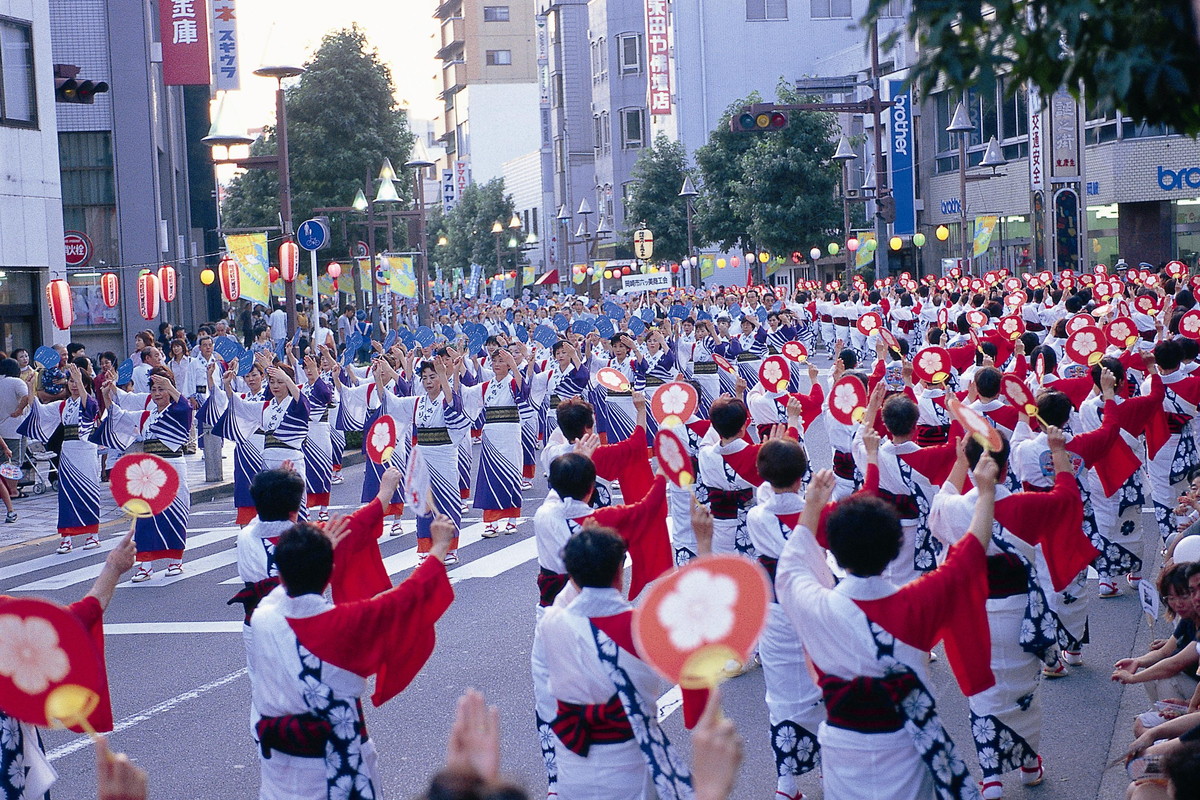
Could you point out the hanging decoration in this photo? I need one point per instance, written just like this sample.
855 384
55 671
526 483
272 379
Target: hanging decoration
58 296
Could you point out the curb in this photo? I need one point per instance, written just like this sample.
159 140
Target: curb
225 489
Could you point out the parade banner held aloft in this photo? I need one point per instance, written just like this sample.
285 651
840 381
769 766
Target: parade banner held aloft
253 260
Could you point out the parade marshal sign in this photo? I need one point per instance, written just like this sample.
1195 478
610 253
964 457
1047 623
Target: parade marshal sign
645 283
643 244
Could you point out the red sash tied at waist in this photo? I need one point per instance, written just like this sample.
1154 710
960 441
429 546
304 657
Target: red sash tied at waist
827 318
1177 422
253 594
549 585
841 322
905 504
906 325
1006 576
1026 486
579 726
929 435
726 503
867 705
843 465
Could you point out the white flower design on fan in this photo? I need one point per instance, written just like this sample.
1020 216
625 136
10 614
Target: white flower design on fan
845 399
869 322
674 400
382 437
144 479
700 610
1121 331
930 362
1085 343
1191 323
772 372
31 655
671 453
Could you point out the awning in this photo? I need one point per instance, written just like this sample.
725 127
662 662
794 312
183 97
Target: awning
547 279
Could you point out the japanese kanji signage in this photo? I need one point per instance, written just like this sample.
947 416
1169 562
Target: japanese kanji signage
658 51
183 28
1036 176
1064 133
225 45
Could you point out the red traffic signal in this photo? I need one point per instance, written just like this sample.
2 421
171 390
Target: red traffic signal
69 89
759 117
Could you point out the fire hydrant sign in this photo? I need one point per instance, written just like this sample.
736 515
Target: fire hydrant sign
78 248
645 283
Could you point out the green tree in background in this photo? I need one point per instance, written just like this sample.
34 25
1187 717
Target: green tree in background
343 121
1138 56
468 230
658 176
775 190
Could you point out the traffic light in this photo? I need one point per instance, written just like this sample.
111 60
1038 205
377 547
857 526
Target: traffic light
757 118
69 89
886 208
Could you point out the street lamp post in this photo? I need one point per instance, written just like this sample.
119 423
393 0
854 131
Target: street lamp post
419 162
844 155
993 157
689 195
514 227
285 180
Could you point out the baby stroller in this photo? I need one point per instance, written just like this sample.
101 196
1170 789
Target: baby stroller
41 462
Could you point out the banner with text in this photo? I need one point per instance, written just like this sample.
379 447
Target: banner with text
250 252
225 45
183 28
402 280
900 138
984 227
645 283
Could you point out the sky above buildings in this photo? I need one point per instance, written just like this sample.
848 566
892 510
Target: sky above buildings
288 31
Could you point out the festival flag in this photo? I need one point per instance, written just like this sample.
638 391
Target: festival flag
250 252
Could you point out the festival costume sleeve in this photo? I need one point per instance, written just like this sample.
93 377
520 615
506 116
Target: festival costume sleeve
1020 367
962 356
1054 520
935 462
118 428
352 407
643 525
810 405
947 605
870 488
42 420
358 570
472 400
1004 345
1077 389
627 463
876 375
91 615
132 401
390 635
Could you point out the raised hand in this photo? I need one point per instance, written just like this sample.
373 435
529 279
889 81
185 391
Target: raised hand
586 445
702 526
474 744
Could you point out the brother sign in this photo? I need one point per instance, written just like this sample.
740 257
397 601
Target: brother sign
1170 179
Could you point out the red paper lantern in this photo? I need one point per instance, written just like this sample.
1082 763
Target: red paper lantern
626 270
334 269
58 296
289 261
273 274
166 282
110 289
230 275
148 295
674 268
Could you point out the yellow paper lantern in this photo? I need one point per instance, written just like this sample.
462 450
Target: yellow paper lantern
608 273
895 243
721 263
207 276
943 233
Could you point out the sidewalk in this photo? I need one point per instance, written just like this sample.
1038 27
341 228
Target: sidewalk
38 514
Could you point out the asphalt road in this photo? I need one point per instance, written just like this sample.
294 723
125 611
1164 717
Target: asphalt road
180 693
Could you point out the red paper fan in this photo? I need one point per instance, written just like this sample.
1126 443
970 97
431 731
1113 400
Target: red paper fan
1016 300
1176 268
848 400
943 317
1100 269
381 439
1035 282
1146 304
673 458
975 424
1018 394
889 340
724 365
1086 345
1194 282
955 272
1103 290
868 323
1067 283
1078 321
1039 368
1012 326
1151 281
1012 284
612 379
774 373
795 351
674 403
976 285
932 365
1189 324
694 621
52 671
976 318
143 484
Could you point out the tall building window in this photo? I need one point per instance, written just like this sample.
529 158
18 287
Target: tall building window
629 52
499 58
830 9
633 128
18 97
495 13
760 10
605 133
894 8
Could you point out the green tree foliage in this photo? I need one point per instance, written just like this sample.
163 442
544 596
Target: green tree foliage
342 122
1138 56
468 230
658 176
776 190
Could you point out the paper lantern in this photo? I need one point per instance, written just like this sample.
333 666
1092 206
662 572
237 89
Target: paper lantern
764 257
334 269
58 296
721 263
591 271
733 262
148 295
815 253
895 243
231 279
918 239
674 268
833 248
166 282
272 274
852 244
207 276
110 289
942 233
289 261
608 273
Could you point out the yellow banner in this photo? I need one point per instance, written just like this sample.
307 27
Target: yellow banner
599 271
324 285
250 252
708 266
984 227
864 255
774 265
400 276
527 276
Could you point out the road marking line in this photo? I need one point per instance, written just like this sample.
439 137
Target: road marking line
498 562
670 702
218 626
163 707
